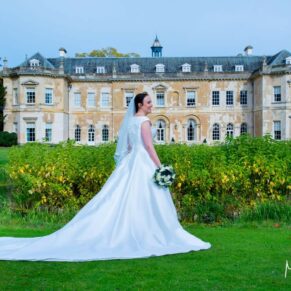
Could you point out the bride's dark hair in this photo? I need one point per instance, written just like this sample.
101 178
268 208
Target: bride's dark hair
139 99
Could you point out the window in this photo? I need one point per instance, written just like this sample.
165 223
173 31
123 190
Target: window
15 127
277 130
128 96
134 68
277 93
79 70
91 134
160 68
217 68
215 132
191 98
30 95
104 99
15 96
160 99
161 128
288 61
229 130
229 97
77 133
34 63
239 68
186 68
243 97
91 99
191 127
100 70
215 97
105 133
243 128
48 98
30 131
48 132
77 99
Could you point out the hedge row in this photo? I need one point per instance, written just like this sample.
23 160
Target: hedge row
8 139
212 181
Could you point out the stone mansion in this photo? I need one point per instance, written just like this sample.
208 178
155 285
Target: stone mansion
196 99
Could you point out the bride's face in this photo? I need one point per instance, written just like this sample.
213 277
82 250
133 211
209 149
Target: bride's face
147 105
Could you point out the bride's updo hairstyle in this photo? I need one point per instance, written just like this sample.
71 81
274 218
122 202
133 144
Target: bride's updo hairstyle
139 99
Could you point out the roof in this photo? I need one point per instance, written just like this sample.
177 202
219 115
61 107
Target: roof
44 62
279 58
173 65
147 65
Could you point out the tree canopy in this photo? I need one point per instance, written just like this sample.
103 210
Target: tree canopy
107 52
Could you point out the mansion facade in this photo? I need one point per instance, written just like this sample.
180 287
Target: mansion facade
196 99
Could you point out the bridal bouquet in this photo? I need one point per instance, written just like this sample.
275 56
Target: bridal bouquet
164 176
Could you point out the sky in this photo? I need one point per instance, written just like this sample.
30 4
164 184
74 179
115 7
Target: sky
184 27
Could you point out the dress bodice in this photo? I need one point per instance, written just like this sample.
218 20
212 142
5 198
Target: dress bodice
134 133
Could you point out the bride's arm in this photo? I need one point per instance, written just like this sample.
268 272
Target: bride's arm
146 134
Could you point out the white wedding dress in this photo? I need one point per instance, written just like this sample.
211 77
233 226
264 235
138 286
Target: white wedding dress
131 217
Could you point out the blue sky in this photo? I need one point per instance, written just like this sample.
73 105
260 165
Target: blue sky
184 27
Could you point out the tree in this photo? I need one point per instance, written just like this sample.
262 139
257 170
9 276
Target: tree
107 52
2 104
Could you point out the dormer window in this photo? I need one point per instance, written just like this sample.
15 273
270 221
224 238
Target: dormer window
239 68
34 63
186 68
134 68
100 70
288 61
160 68
217 68
79 70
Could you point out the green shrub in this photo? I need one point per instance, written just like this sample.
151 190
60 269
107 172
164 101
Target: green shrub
213 182
268 211
8 139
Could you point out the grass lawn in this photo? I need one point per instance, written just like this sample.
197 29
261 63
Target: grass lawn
242 257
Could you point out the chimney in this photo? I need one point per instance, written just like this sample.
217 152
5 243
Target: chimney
62 52
248 50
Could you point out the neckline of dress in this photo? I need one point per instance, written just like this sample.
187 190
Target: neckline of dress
140 116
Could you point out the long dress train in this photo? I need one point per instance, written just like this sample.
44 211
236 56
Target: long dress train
131 217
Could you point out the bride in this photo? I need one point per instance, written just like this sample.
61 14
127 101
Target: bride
131 217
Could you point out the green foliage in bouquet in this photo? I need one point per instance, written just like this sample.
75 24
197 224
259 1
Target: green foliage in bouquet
164 176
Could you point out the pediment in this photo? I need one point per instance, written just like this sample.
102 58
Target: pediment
30 83
160 87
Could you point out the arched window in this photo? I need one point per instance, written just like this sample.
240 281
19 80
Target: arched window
161 130
77 133
215 132
229 130
243 128
105 133
191 130
91 133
